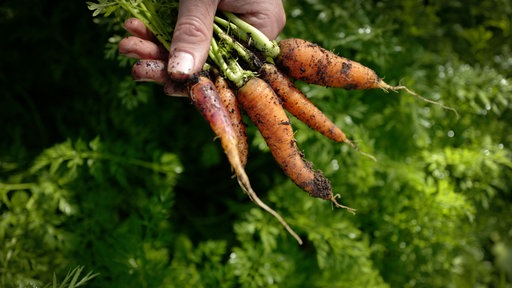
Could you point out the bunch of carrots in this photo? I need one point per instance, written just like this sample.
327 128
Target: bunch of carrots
246 72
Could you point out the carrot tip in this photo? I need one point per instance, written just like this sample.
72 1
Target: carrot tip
368 155
387 87
353 145
338 205
244 183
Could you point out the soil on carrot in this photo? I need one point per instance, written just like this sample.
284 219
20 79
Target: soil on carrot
322 186
313 64
319 186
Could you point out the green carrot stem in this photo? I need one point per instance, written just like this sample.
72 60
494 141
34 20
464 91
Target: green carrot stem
228 65
249 34
252 61
147 16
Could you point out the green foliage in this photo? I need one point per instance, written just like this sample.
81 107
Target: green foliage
104 174
158 16
72 279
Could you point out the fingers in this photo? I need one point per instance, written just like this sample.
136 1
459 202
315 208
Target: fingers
270 22
143 45
266 15
135 27
150 71
155 71
138 48
191 38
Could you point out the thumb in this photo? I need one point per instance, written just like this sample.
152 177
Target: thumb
191 38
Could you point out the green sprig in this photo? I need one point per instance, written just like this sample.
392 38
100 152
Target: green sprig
147 11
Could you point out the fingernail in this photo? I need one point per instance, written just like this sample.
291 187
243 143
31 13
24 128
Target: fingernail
180 65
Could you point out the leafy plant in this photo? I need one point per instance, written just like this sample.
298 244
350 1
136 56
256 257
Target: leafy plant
143 196
72 279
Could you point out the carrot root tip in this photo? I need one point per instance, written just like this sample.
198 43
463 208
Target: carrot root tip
243 181
353 145
384 86
338 205
368 155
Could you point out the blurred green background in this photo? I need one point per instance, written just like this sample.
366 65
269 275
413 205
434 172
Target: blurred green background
102 172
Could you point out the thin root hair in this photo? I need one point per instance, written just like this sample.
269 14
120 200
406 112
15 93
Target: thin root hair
387 87
338 205
254 197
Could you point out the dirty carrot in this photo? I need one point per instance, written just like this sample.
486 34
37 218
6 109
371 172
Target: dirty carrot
205 97
228 98
295 102
308 62
263 106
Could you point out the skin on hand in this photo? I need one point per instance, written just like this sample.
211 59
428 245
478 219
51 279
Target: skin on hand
152 64
191 39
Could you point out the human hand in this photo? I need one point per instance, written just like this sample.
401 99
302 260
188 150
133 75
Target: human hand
191 39
153 57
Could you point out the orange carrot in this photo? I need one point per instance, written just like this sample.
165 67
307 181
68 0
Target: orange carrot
263 106
295 102
313 64
205 97
228 98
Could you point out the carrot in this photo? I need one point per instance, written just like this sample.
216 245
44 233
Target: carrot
308 62
228 98
263 106
295 102
205 97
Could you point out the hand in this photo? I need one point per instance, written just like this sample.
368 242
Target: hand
153 57
191 39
